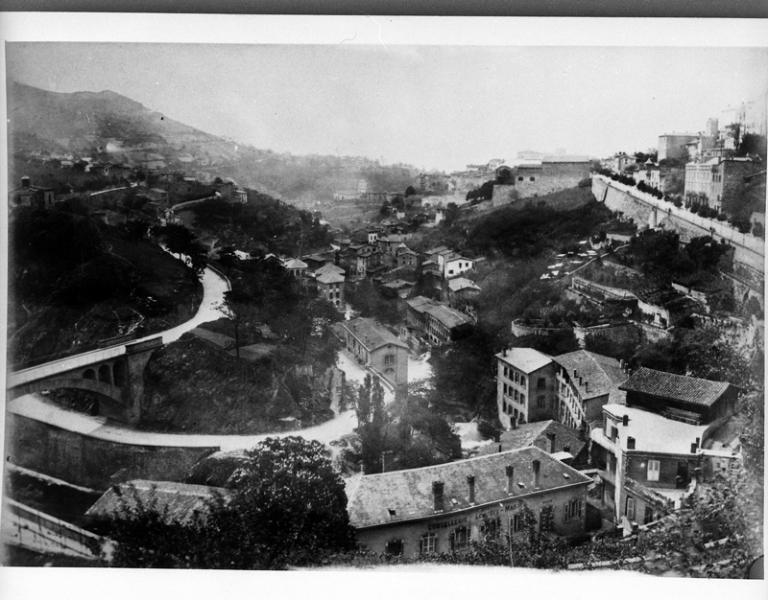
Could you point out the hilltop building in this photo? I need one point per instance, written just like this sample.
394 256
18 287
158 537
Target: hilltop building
552 174
674 145
31 195
718 180
446 507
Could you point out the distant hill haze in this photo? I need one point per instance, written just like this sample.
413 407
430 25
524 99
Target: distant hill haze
106 126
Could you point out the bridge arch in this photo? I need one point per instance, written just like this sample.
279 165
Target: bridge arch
78 383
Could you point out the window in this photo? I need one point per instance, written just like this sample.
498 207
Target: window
540 401
506 372
522 397
532 178
389 360
648 517
572 509
519 178
394 547
612 463
541 383
517 522
459 538
428 543
654 466
629 509
522 379
490 528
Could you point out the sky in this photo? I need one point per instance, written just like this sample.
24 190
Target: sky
436 107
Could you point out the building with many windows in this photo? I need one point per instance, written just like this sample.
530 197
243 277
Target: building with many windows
378 350
330 285
718 180
446 507
524 386
434 321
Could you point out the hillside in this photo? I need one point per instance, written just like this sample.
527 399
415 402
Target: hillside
106 126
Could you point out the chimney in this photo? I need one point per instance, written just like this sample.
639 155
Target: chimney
510 471
536 470
581 381
630 443
586 386
499 447
694 447
471 484
551 440
437 492
625 420
25 181
698 442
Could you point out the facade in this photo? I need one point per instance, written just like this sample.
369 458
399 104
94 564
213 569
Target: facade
331 287
718 179
405 257
436 322
462 288
650 174
646 462
555 173
688 399
673 145
31 195
446 507
524 386
585 382
378 350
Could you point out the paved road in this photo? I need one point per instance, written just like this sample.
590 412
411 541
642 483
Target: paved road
210 309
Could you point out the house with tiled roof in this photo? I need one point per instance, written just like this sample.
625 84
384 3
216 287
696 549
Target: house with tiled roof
330 284
565 443
436 322
178 502
680 397
378 349
585 381
446 507
295 266
570 388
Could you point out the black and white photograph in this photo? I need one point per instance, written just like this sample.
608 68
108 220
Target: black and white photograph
415 304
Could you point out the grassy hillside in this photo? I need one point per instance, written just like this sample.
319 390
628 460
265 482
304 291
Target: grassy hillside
74 282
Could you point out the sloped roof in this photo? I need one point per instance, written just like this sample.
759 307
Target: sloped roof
406 495
176 501
420 303
448 316
462 283
565 158
330 277
676 387
535 434
371 333
295 263
527 360
600 374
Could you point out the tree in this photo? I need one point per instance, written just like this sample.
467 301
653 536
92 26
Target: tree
287 507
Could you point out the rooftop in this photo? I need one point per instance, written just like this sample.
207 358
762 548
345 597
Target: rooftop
702 392
295 263
330 277
329 267
462 283
448 316
528 434
371 333
527 360
566 158
407 495
175 501
599 374
652 432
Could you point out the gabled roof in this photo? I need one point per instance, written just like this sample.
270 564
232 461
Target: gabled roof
527 360
177 501
676 387
371 334
407 495
600 374
329 267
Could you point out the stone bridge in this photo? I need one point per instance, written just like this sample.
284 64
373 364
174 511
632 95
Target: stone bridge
115 373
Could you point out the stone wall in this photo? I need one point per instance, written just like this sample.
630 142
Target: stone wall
650 211
91 462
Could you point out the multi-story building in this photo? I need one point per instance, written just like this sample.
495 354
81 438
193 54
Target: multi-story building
673 145
585 382
378 350
330 284
295 266
524 386
649 173
447 507
689 399
718 179
552 174
436 322
570 388
646 462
